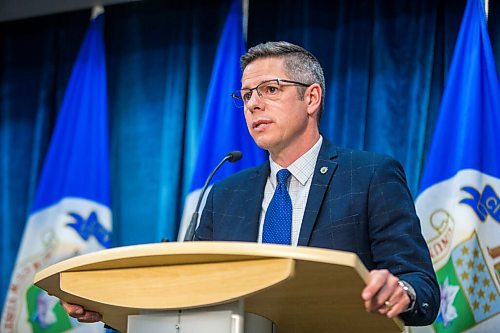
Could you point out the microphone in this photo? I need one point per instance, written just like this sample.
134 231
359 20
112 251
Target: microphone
233 156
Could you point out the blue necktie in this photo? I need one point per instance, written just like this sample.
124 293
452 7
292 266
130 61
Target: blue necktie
278 222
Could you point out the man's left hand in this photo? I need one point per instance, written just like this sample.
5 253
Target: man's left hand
383 295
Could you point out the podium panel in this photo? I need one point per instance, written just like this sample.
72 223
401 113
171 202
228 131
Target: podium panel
226 318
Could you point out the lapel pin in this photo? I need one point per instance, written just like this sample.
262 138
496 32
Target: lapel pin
323 170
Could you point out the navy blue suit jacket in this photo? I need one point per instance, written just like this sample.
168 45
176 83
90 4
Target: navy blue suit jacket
361 204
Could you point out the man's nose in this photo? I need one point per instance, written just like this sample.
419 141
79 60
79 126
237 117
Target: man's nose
254 101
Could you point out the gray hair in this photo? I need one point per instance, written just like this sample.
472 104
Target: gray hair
300 64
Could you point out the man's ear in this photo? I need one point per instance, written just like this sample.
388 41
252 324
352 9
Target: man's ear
313 96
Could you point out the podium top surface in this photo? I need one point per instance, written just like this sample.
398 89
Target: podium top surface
174 253
301 289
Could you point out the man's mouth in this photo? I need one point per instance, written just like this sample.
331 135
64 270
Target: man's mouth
261 124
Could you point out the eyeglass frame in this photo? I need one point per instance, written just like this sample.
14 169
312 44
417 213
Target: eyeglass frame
235 96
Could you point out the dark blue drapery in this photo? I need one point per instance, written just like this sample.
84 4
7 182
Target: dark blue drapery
385 63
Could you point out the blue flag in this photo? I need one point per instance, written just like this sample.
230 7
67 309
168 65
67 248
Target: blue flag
223 126
71 212
459 201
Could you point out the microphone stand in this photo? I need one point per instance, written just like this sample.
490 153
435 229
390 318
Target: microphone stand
233 156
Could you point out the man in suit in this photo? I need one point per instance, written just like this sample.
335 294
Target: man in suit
311 193
337 198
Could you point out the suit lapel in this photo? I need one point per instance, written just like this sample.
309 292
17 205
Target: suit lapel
323 172
253 203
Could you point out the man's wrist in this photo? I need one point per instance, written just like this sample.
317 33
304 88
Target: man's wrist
410 291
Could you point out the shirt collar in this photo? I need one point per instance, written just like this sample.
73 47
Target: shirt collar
303 168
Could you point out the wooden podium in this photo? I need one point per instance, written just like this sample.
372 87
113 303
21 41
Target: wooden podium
300 289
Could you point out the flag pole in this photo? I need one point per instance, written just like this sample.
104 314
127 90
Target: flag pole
96 11
244 6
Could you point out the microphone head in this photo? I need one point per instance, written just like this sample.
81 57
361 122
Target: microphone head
234 156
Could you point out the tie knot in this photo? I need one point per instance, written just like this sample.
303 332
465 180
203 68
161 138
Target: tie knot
282 176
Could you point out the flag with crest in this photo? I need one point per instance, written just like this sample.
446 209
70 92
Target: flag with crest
459 201
71 212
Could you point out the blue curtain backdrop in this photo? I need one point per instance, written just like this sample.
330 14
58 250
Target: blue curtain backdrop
385 63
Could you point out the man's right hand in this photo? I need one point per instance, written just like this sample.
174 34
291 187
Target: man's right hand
82 315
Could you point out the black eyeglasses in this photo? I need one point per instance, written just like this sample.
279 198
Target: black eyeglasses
268 90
